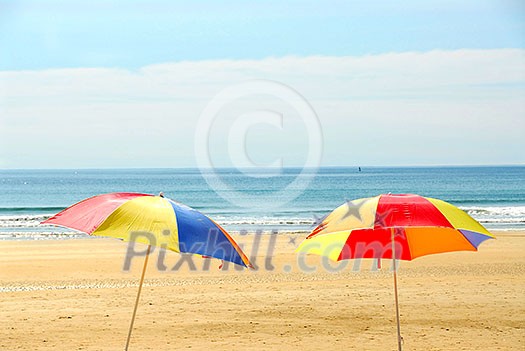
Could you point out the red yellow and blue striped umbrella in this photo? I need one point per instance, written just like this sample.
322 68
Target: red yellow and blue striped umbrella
170 225
151 220
401 226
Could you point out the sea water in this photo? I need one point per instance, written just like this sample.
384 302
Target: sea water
495 196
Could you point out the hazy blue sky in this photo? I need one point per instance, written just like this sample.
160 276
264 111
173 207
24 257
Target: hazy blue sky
123 83
131 34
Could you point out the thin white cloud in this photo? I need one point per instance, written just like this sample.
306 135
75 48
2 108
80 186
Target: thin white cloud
463 106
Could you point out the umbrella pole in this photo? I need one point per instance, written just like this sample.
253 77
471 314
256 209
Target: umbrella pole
138 297
395 290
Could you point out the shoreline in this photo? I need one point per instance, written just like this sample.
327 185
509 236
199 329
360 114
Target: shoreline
40 235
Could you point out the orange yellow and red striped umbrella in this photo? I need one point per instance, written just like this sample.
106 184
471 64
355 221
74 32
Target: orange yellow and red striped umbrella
363 228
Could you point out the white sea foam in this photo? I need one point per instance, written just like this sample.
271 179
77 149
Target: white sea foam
263 221
22 221
497 214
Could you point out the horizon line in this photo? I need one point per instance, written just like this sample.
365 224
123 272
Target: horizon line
268 168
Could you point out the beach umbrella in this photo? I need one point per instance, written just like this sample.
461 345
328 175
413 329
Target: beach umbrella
151 220
397 227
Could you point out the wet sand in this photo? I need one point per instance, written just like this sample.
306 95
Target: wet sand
75 295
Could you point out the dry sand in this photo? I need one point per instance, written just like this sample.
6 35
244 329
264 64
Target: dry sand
74 295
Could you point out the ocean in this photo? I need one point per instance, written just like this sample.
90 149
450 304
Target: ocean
289 201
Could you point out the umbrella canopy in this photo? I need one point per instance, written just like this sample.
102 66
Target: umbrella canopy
363 229
404 226
170 225
154 221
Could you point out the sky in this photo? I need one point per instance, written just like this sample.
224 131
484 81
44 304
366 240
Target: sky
133 83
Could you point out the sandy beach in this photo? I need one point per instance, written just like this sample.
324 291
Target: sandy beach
75 295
